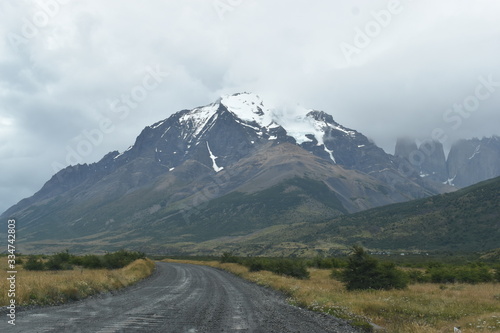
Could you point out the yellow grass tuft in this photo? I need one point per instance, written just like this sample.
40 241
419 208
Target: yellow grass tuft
54 287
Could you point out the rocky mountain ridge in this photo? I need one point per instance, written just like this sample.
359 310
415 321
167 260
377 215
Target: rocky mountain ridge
469 161
224 169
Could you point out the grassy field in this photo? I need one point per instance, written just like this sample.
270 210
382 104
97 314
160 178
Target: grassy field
420 308
55 287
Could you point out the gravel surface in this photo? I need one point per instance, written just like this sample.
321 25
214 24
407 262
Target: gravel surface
179 298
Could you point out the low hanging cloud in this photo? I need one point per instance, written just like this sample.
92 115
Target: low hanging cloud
384 68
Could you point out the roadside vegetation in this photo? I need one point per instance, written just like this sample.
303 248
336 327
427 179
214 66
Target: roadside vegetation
280 266
411 297
63 277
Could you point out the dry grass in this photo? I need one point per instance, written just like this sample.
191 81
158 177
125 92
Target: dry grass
54 287
420 308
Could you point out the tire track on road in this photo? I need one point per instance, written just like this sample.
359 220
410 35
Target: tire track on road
180 298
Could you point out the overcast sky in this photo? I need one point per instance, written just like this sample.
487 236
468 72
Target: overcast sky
384 68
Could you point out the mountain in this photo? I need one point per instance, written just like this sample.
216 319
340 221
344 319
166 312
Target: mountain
469 161
226 169
467 220
474 160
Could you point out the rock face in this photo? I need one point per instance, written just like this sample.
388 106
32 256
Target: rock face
469 161
472 161
434 163
405 148
225 169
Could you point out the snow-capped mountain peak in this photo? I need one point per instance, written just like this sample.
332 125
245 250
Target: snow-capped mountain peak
248 107
209 133
299 122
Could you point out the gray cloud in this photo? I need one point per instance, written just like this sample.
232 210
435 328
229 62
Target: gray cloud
58 80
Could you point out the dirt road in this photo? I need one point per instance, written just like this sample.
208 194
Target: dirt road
179 298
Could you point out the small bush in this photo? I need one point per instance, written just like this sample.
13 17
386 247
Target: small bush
34 264
441 274
229 257
59 261
258 264
326 263
76 260
91 261
472 273
119 259
417 276
366 272
113 260
54 264
289 267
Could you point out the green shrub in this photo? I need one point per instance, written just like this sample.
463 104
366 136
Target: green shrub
417 276
366 272
55 264
91 261
258 264
442 274
59 261
472 273
497 274
326 263
76 260
289 267
113 260
120 259
34 264
229 257
296 268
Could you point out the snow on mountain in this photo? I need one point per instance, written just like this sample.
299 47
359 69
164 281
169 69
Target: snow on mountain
305 126
476 151
213 158
248 107
199 117
299 122
313 130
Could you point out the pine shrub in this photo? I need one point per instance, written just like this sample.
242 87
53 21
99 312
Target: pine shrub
366 272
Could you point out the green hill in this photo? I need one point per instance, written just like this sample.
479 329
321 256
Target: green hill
467 220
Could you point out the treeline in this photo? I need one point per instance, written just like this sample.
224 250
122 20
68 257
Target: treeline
473 273
293 267
363 271
67 261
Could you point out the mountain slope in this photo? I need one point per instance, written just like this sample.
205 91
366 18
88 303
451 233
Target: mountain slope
474 160
467 220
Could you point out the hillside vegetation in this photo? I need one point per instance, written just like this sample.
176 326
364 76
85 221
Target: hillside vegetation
464 221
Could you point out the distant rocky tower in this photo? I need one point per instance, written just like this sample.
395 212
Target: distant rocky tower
472 161
469 161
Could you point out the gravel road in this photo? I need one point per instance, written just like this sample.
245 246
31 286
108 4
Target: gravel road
179 298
